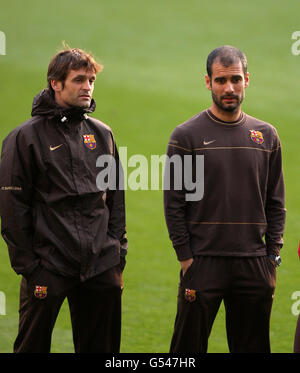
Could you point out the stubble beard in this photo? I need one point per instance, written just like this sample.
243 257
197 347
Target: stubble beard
231 108
83 104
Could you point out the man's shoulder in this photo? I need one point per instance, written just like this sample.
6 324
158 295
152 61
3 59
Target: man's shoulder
260 125
98 124
183 135
187 127
195 120
24 128
267 131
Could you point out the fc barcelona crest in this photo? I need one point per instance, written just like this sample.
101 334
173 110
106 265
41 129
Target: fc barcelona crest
257 137
89 141
190 295
40 291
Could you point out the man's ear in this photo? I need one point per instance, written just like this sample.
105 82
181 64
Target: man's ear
247 80
207 82
56 85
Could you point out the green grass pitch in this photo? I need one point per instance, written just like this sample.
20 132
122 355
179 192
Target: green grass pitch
154 56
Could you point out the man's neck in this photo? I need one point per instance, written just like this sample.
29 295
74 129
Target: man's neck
226 116
60 102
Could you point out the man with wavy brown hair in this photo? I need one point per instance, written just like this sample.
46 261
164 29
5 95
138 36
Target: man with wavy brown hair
66 237
70 59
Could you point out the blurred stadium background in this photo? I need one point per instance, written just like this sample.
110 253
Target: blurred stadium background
154 56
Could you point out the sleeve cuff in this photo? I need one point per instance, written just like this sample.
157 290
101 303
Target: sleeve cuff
183 253
273 250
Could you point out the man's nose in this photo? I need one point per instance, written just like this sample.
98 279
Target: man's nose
229 87
87 85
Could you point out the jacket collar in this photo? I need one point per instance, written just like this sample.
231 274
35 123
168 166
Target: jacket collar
44 104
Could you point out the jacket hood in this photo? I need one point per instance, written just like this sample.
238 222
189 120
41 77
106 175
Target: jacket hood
44 104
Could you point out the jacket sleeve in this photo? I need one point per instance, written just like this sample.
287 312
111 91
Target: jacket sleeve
275 203
175 197
115 201
16 189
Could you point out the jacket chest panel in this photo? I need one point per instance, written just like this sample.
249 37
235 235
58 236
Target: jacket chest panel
70 159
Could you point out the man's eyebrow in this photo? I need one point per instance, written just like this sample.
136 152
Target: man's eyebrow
231 76
82 76
220 77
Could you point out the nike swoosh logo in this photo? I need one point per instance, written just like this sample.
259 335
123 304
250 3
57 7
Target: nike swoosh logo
55 147
208 142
